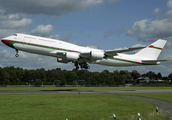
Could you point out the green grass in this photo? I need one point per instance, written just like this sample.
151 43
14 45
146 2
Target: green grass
160 96
74 107
78 106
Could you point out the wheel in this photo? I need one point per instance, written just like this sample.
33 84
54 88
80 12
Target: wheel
17 55
87 67
77 67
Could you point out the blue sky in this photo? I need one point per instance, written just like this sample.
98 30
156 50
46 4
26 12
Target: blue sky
104 24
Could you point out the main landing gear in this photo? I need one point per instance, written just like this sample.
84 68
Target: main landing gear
17 53
82 65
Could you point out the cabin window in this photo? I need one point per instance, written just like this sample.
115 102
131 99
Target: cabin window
27 37
47 40
15 34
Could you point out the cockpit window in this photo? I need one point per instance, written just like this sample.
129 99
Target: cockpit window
15 34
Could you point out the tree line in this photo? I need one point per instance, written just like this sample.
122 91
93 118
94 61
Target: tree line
19 76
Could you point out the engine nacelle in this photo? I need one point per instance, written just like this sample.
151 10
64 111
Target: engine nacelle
61 60
71 56
97 55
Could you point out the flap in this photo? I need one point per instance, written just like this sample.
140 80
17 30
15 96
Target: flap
153 61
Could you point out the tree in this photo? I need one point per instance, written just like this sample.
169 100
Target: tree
119 79
63 82
170 76
159 76
5 78
38 82
135 75
17 76
72 76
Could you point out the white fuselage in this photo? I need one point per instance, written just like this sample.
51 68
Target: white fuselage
56 48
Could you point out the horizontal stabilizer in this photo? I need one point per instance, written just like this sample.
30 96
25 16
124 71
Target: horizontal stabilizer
152 62
114 52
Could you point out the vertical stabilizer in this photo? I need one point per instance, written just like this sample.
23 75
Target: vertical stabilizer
152 51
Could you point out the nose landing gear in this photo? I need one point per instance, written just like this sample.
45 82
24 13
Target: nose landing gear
17 55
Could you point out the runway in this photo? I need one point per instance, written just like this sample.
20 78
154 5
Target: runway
84 91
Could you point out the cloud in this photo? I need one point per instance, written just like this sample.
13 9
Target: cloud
151 30
139 45
116 32
42 30
109 33
169 3
30 61
157 11
18 23
147 30
14 24
47 7
57 37
166 55
67 37
120 31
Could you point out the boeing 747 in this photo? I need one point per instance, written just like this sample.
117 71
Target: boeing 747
81 56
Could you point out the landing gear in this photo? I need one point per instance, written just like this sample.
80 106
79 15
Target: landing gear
17 53
76 65
82 65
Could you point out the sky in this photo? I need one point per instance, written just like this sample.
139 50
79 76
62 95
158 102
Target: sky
102 24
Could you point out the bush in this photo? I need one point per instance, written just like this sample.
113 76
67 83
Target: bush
38 83
63 82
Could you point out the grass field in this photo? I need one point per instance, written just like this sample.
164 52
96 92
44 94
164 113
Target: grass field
72 107
160 96
77 106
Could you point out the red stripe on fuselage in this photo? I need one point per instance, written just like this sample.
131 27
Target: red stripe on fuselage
7 42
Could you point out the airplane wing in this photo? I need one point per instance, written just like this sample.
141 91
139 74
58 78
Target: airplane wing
152 61
114 52
111 53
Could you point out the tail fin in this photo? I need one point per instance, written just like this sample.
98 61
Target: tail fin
152 51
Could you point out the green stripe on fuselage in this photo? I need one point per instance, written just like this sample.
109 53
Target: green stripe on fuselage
125 60
53 48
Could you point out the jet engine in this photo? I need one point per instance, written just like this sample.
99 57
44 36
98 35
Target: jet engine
97 54
71 56
67 57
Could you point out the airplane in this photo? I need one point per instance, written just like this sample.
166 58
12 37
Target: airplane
82 56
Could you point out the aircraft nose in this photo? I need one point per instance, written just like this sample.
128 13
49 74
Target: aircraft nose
3 40
6 42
